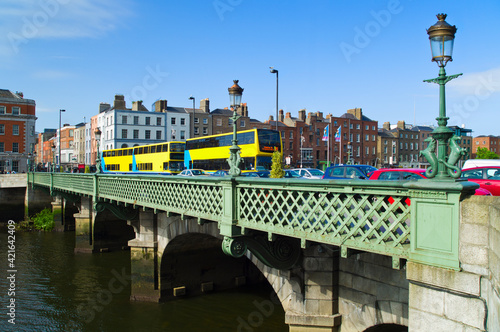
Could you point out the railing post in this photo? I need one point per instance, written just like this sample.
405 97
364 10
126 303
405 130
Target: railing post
228 224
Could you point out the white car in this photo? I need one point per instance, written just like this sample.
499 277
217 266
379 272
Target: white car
192 172
309 173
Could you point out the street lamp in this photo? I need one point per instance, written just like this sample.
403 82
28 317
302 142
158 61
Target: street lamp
97 135
53 148
192 130
59 140
275 71
442 166
235 93
29 162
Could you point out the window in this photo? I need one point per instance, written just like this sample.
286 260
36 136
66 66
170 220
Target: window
351 126
367 137
71 133
358 126
416 146
218 123
373 138
15 166
158 121
183 121
367 150
183 134
147 134
196 130
158 134
172 121
373 127
124 133
374 150
205 121
148 121
411 146
173 133
291 134
317 142
205 131
2 147
242 123
367 127
15 130
230 122
385 149
136 134
2 129
196 120
2 109
16 110
15 147
291 146
136 120
357 138
406 145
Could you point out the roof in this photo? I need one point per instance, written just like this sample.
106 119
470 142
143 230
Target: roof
423 128
9 96
385 133
222 111
350 116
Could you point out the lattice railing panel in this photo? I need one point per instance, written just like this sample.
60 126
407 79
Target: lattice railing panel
190 198
358 220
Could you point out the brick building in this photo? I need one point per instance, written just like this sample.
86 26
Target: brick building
17 131
490 142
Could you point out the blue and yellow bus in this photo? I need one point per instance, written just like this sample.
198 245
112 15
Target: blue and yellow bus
160 158
210 153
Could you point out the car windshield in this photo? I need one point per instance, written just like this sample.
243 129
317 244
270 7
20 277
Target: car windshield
316 172
197 172
368 169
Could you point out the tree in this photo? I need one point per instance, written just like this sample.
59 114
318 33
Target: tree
484 153
277 166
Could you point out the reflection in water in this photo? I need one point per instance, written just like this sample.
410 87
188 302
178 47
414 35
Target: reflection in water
58 290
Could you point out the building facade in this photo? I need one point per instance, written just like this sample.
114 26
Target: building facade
17 131
490 142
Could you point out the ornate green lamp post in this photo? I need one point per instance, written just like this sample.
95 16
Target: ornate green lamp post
53 158
97 134
443 165
235 93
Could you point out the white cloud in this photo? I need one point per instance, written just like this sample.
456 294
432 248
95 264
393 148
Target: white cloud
23 20
480 84
50 74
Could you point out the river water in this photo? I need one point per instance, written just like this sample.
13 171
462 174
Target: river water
58 290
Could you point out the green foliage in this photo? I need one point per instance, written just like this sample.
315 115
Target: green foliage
87 169
277 167
484 153
44 220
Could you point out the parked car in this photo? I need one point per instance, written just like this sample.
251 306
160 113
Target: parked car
192 172
472 163
250 174
348 172
220 172
289 173
309 173
487 177
405 174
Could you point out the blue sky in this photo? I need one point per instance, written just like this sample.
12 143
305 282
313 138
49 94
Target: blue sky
331 56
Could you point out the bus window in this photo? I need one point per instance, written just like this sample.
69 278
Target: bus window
120 153
165 148
113 153
153 149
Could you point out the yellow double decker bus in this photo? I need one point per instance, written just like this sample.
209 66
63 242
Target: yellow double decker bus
160 158
210 153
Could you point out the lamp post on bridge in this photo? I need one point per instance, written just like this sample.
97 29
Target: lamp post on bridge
97 135
275 71
235 93
192 130
442 166
59 161
53 148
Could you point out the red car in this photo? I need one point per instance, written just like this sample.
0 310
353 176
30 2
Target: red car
488 177
402 174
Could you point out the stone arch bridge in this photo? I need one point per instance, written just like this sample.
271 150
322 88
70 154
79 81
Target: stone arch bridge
344 256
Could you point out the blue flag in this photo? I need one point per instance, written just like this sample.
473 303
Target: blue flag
337 135
325 133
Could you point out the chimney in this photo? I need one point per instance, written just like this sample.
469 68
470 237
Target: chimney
160 106
357 112
288 115
119 102
280 115
302 114
319 115
271 118
328 117
103 107
205 105
243 110
136 105
20 94
387 125
401 125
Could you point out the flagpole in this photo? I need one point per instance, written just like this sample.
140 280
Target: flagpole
328 149
340 147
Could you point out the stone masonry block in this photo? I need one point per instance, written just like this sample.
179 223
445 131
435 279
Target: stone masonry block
352 265
318 278
386 275
345 279
494 241
495 215
319 292
376 259
459 281
474 255
321 307
474 210
420 321
470 311
319 264
474 234
426 299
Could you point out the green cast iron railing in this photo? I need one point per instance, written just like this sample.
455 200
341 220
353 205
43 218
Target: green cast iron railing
399 219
